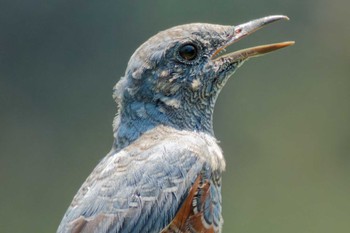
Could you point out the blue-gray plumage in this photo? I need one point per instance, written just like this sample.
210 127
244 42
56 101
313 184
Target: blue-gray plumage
163 173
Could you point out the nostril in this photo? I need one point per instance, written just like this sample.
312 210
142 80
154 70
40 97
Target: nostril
238 30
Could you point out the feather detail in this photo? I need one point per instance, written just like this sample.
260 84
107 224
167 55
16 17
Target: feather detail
190 218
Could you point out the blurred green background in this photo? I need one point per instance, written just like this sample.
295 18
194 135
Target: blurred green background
283 119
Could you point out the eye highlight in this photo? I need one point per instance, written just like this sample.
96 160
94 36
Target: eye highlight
188 52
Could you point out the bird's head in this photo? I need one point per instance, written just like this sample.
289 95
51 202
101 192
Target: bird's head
175 77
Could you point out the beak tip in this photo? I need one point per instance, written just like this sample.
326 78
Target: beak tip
273 18
288 43
285 17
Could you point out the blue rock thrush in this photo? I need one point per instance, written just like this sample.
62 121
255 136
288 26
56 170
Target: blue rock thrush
163 173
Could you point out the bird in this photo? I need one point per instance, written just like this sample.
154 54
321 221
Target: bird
164 171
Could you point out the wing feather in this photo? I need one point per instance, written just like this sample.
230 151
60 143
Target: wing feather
135 193
142 187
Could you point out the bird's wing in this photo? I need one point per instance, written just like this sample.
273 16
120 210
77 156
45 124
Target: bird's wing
141 189
201 210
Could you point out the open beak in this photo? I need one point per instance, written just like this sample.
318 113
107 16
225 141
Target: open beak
248 28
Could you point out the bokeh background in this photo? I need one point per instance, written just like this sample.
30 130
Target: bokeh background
283 120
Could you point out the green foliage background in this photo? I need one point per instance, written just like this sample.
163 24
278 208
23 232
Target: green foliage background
283 119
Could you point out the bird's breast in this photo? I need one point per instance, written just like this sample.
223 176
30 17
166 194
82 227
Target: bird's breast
203 145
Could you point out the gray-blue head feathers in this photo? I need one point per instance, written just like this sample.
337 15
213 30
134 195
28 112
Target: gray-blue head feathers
174 78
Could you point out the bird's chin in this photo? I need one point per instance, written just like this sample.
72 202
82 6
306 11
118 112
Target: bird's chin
221 71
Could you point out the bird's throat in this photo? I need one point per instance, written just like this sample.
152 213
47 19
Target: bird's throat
138 118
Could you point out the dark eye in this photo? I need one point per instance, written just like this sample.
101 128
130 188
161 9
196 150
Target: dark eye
188 52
